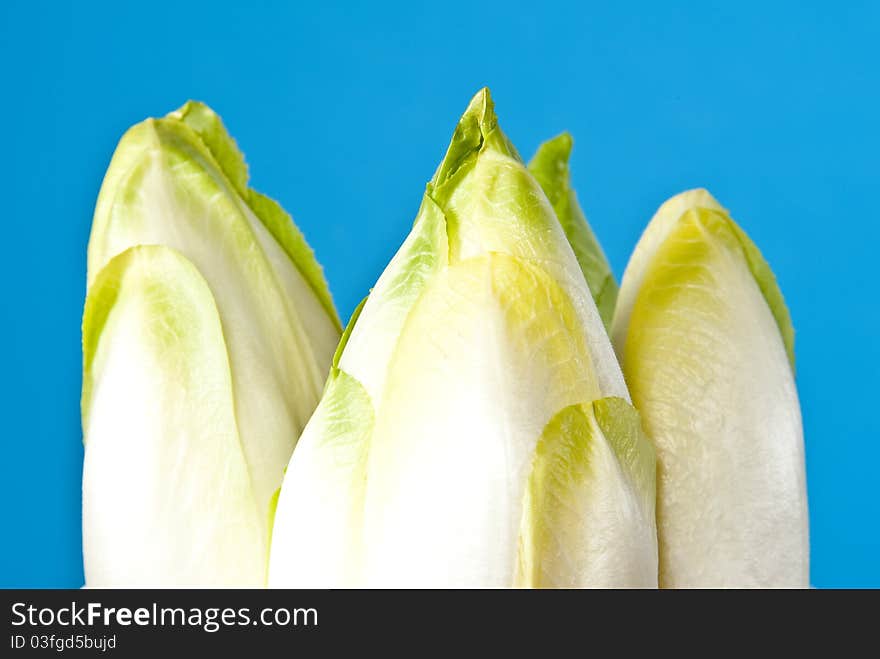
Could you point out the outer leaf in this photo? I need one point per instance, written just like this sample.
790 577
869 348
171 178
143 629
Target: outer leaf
709 371
373 337
466 400
319 515
588 514
550 168
319 518
293 242
158 409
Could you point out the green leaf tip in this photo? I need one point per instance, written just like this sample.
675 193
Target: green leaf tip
567 513
209 127
476 131
550 167
198 133
622 426
477 121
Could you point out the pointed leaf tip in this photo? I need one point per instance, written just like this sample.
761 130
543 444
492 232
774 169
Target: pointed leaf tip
555 152
484 111
482 107
550 167
478 119
474 126
209 127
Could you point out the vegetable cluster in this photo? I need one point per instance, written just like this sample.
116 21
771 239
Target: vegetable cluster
478 427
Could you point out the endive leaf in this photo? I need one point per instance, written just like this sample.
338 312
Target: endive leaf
290 238
372 339
325 486
550 168
157 409
321 504
466 401
709 370
766 281
588 514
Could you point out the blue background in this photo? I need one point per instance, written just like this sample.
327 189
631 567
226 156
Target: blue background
343 113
